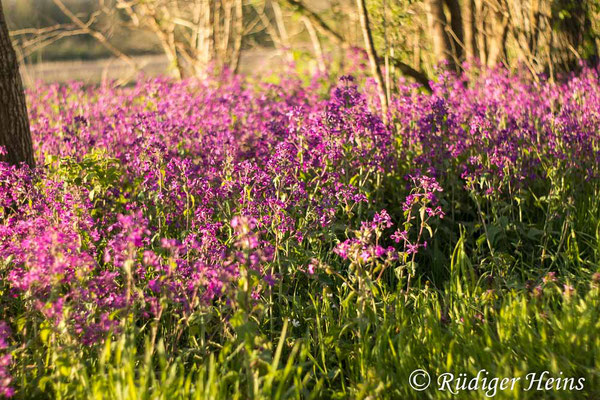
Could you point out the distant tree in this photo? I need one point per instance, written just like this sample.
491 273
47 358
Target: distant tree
14 124
193 34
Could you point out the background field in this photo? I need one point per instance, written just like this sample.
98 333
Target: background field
255 61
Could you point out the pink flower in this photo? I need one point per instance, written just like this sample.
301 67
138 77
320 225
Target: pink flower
400 236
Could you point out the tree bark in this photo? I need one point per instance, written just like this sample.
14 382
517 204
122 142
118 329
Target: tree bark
469 30
496 43
14 123
239 36
480 33
436 19
371 52
457 42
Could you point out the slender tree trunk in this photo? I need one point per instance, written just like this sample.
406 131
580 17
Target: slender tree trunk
239 36
480 37
283 33
14 124
573 33
456 37
166 37
469 30
436 19
314 38
373 60
497 40
207 38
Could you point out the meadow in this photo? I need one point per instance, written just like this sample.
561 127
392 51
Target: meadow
235 238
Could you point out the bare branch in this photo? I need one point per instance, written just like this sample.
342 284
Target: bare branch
40 31
413 73
95 34
28 47
318 22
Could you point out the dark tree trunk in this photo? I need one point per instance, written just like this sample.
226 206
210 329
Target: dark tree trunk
14 124
457 40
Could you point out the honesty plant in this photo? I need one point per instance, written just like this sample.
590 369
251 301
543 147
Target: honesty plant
159 202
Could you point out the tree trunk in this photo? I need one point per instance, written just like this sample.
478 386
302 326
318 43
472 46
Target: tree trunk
207 39
496 42
470 30
14 123
457 42
436 19
314 38
373 60
236 52
480 37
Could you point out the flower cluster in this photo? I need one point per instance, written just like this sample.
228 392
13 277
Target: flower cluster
422 205
161 194
365 247
129 213
501 131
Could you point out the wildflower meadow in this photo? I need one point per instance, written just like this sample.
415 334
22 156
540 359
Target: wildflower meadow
281 238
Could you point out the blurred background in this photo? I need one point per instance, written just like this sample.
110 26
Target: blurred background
96 40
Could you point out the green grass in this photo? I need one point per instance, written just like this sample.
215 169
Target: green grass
484 302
